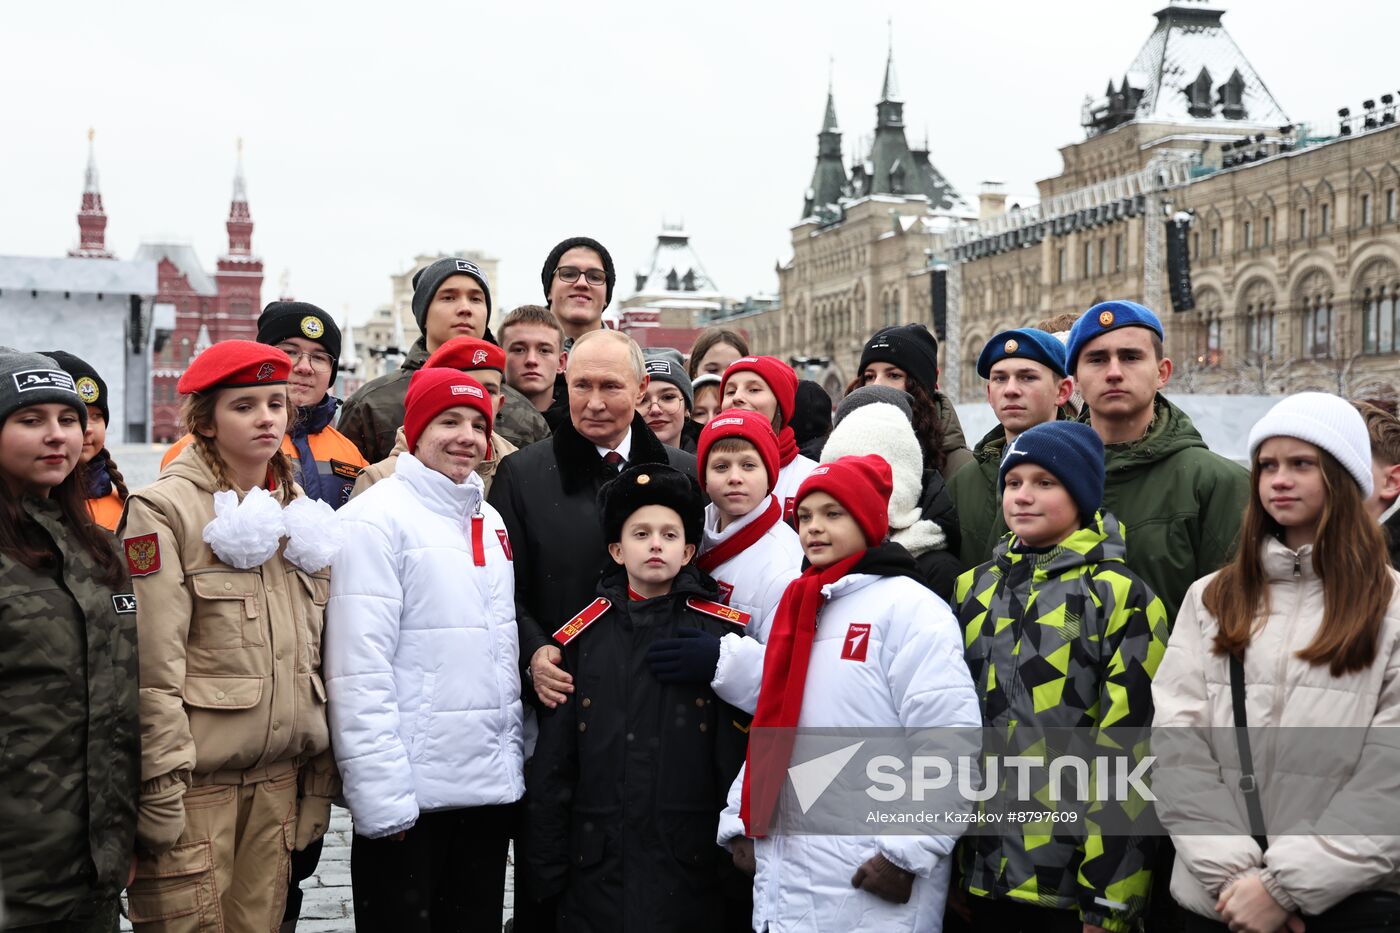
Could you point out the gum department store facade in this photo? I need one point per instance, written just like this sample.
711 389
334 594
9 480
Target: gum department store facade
1293 241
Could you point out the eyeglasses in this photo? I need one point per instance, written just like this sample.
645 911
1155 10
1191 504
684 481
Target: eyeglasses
570 275
319 361
670 401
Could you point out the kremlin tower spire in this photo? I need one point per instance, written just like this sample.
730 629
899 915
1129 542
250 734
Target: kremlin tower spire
92 219
240 273
240 222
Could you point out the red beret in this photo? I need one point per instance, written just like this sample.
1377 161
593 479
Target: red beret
235 363
465 353
746 425
862 484
432 391
781 379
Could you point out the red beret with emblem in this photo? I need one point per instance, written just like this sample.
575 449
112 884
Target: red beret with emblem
467 353
235 364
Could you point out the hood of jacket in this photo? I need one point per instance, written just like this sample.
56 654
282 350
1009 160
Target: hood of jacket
417 355
953 437
580 466
883 429
990 448
1171 431
190 466
1106 540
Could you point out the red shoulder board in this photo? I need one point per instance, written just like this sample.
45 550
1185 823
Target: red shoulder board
575 626
719 611
142 554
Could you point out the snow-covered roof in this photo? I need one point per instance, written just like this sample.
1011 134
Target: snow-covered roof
184 258
85 276
1189 42
675 269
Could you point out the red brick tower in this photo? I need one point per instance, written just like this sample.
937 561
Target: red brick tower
240 274
92 219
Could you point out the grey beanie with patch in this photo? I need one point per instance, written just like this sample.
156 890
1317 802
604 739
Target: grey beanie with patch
667 365
34 379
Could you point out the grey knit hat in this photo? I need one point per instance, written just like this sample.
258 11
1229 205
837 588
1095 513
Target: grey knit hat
34 379
869 395
667 365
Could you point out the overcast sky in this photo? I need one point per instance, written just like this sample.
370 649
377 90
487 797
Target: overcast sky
374 132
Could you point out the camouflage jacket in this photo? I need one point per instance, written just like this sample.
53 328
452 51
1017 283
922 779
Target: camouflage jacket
1060 639
373 415
69 735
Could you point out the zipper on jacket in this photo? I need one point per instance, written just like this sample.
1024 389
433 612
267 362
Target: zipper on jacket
1297 565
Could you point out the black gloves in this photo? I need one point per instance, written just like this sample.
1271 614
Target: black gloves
689 659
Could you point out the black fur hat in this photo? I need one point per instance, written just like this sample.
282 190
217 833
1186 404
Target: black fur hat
651 484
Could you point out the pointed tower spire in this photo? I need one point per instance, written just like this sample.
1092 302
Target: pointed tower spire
240 221
829 181
92 218
890 90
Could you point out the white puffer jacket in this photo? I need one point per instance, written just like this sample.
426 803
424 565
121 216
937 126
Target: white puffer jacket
913 676
790 480
1197 774
421 653
754 580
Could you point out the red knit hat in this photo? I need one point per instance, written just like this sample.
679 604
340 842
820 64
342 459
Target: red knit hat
746 425
781 379
466 353
235 363
432 391
861 484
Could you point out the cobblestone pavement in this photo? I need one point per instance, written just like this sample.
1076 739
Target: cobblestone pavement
326 906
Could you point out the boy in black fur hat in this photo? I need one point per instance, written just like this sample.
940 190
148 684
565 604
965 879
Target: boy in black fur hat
630 774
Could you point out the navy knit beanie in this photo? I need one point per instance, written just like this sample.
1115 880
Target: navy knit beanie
1071 450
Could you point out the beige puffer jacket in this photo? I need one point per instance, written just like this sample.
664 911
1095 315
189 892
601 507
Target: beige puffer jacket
1344 781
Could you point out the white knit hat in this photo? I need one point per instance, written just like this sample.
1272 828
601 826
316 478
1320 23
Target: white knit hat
1326 421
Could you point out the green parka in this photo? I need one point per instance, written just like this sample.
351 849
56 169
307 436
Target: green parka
69 735
974 492
1183 503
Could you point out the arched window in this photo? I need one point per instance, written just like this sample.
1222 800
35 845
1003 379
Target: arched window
1314 299
1378 288
1259 322
1209 351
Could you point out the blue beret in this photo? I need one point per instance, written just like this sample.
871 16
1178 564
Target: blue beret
1026 343
1104 317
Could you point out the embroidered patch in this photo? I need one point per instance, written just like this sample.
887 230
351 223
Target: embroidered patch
142 554
478 357
473 391
31 379
346 470
124 603
857 640
790 504
464 266
575 626
265 371
1106 319
720 611
88 391
312 327
659 367
505 543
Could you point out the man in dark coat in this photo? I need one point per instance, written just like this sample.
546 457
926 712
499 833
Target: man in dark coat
547 496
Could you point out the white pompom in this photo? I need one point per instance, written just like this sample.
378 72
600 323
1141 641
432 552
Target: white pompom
314 535
245 534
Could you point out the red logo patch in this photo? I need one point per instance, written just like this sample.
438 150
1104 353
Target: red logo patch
265 371
857 640
789 506
726 590
505 543
142 554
